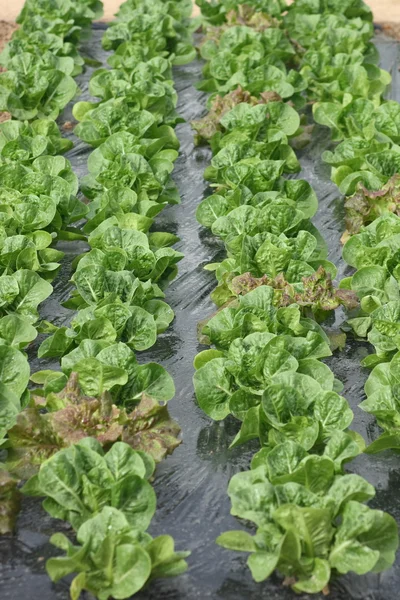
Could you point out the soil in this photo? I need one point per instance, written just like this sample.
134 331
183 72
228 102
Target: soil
6 31
391 29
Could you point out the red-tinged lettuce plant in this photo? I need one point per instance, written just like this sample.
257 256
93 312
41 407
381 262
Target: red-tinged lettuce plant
149 427
365 205
247 15
245 12
71 416
241 15
210 123
316 293
9 501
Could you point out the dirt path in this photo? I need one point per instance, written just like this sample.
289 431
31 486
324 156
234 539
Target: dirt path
384 10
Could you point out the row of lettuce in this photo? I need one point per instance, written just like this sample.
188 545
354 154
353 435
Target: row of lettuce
89 437
265 61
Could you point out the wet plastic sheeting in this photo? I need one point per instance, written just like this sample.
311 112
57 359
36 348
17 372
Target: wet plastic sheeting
191 485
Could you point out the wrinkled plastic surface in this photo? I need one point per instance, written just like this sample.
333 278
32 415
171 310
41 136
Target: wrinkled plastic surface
193 505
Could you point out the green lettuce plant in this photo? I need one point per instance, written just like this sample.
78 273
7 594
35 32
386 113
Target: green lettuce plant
112 558
310 522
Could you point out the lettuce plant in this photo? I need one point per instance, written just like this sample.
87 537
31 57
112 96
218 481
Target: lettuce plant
41 195
297 194
38 43
31 252
110 502
120 162
144 83
256 312
365 205
112 558
10 499
37 88
162 24
98 124
211 124
250 365
23 143
56 420
111 320
315 294
123 483
217 13
77 15
310 522
14 373
22 292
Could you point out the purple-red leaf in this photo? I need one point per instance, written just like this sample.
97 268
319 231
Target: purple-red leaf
210 124
365 205
150 428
